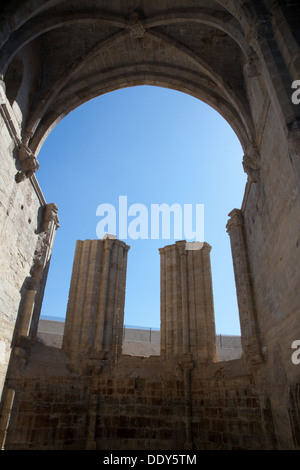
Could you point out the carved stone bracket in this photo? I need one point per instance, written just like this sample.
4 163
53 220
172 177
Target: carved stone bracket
251 165
50 214
28 162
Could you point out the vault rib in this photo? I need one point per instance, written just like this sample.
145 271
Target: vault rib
56 87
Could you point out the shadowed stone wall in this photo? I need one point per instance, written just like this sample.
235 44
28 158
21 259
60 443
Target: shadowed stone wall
87 395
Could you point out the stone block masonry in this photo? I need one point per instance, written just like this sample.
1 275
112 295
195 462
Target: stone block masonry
138 403
88 395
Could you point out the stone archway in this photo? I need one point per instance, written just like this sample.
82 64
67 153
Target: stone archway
239 57
156 53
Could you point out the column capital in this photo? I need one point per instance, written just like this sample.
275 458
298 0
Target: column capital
236 219
181 245
206 246
110 240
251 164
50 214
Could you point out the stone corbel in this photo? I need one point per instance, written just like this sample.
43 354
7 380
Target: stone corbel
251 165
50 215
28 163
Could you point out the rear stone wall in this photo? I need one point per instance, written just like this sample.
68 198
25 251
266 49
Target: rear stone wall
138 342
138 403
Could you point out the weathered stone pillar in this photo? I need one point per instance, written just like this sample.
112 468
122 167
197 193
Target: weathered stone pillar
187 310
6 407
35 284
244 288
95 312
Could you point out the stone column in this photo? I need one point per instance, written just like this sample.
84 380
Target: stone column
95 312
187 311
244 288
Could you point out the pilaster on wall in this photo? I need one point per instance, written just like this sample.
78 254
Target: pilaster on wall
34 285
187 310
245 295
95 312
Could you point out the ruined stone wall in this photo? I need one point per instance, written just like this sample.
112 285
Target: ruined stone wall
271 218
173 410
83 397
21 212
50 405
139 403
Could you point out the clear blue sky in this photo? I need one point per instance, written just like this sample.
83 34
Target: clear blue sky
153 145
